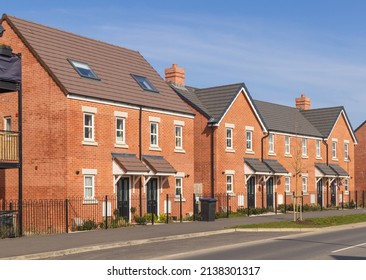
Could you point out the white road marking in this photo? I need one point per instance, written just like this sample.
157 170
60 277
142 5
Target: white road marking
347 248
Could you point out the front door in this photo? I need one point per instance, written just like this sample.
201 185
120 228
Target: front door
333 195
269 188
251 192
152 196
319 191
123 197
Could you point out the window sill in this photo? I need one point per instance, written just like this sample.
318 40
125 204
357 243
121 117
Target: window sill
289 193
89 143
288 155
155 149
123 146
305 157
250 152
335 159
177 199
272 154
90 201
230 150
179 151
230 194
305 194
319 158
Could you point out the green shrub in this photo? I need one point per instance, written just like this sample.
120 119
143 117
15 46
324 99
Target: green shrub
140 220
87 225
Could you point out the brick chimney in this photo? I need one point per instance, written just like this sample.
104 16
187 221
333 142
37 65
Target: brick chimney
175 74
303 102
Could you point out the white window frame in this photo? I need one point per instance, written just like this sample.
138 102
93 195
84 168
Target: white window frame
178 129
304 147
178 187
92 187
288 184
304 184
271 143
229 184
229 138
91 127
249 140
287 145
318 148
346 151
7 123
334 149
121 130
154 143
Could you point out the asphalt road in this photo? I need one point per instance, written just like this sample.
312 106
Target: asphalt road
345 244
348 244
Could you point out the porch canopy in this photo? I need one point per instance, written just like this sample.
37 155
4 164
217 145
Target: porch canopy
128 164
324 170
159 165
339 170
276 167
254 166
330 171
267 167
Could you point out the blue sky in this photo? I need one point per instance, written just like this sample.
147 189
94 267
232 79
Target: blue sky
279 49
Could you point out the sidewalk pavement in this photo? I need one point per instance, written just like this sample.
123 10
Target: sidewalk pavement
45 246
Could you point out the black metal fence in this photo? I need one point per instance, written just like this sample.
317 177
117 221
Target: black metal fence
77 214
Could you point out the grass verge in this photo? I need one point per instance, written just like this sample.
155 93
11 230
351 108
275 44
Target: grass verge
311 222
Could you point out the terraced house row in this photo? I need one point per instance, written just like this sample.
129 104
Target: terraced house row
99 120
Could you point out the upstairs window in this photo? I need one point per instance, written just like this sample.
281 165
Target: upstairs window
318 150
334 149
88 127
7 123
83 69
304 147
287 145
229 138
144 83
271 143
154 140
346 151
178 137
249 138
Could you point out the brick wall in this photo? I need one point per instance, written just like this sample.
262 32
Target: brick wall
360 159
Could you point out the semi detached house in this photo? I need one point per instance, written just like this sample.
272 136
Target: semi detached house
99 120
252 149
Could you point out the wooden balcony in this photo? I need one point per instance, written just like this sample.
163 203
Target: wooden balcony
9 149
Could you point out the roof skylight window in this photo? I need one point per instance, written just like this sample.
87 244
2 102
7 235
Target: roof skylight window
144 83
83 69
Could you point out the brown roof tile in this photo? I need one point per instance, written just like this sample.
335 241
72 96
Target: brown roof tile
130 163
159 165
112 64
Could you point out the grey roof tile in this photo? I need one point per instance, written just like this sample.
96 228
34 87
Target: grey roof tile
275 166
257 165
280 118
323 119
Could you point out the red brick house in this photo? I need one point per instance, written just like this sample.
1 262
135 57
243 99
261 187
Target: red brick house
97 120
360 158
256 148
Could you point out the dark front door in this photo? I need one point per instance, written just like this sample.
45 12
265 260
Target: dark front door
251 192
319 192
152 196
269 188
123 198
333 195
